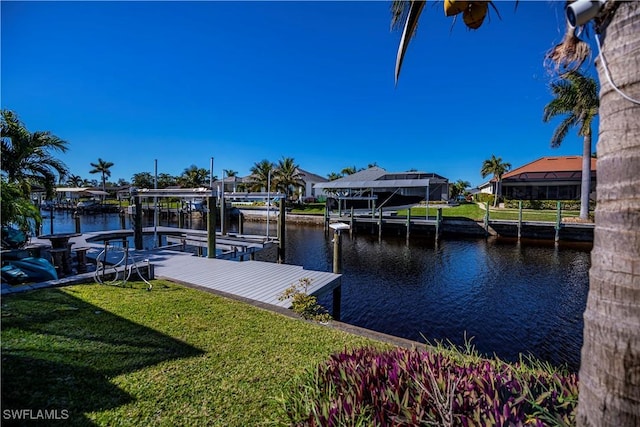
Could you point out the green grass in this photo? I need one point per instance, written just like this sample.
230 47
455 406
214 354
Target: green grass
474 212
173 356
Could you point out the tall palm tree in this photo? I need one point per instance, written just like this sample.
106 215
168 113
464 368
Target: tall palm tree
609 379
166 180
26 156
350 170
496 167
260 175
102 167
459 187
333 176
194 177
287 176
142 180
75 180
230 173
576 98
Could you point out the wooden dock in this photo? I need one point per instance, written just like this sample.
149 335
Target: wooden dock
561 229
257 281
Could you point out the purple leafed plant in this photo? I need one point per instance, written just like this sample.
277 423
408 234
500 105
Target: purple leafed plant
404 387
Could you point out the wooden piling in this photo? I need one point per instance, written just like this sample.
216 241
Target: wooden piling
281 232
519 219
351 223
337 269
51 219
123 220
438 221
326 217
211 227
180 218
408 223
240 223
223 217
380 224
137 224
337 252
486 219
77 223
558 221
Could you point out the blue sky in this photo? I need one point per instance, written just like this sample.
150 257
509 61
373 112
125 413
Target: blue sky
181 82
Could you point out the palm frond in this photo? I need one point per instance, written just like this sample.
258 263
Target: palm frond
568 55
561 131
410 26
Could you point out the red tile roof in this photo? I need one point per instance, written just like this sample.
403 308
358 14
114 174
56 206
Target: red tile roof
552 164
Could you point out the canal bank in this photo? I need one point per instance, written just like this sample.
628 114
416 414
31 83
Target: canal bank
567 230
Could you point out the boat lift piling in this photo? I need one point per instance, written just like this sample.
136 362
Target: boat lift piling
281 231
211 227
337 265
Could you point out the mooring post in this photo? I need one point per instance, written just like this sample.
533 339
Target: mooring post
351 223
558 221
180 218
486 218
241 223
223 216
137 223
337 252
519 219
123 220
51 219
211 227
326 216
408 223
380 224
438 221
77 222
281 232
337 267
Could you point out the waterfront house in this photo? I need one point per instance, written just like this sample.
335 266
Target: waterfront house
548 178
375 187
309 180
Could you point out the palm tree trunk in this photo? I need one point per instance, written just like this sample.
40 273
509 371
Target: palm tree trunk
610 367
585 189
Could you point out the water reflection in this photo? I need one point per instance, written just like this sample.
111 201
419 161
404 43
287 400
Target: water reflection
512 297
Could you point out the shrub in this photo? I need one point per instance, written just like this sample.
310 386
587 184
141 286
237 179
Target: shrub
414 387
571 205
304 304
484 198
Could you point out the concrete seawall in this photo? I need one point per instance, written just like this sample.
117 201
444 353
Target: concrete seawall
452 227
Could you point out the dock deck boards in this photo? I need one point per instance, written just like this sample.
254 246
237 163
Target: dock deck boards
254 280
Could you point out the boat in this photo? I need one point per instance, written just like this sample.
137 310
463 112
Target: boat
27 270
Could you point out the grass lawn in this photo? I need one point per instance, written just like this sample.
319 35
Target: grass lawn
473 211
173 356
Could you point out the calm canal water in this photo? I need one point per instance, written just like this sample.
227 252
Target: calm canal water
510 297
